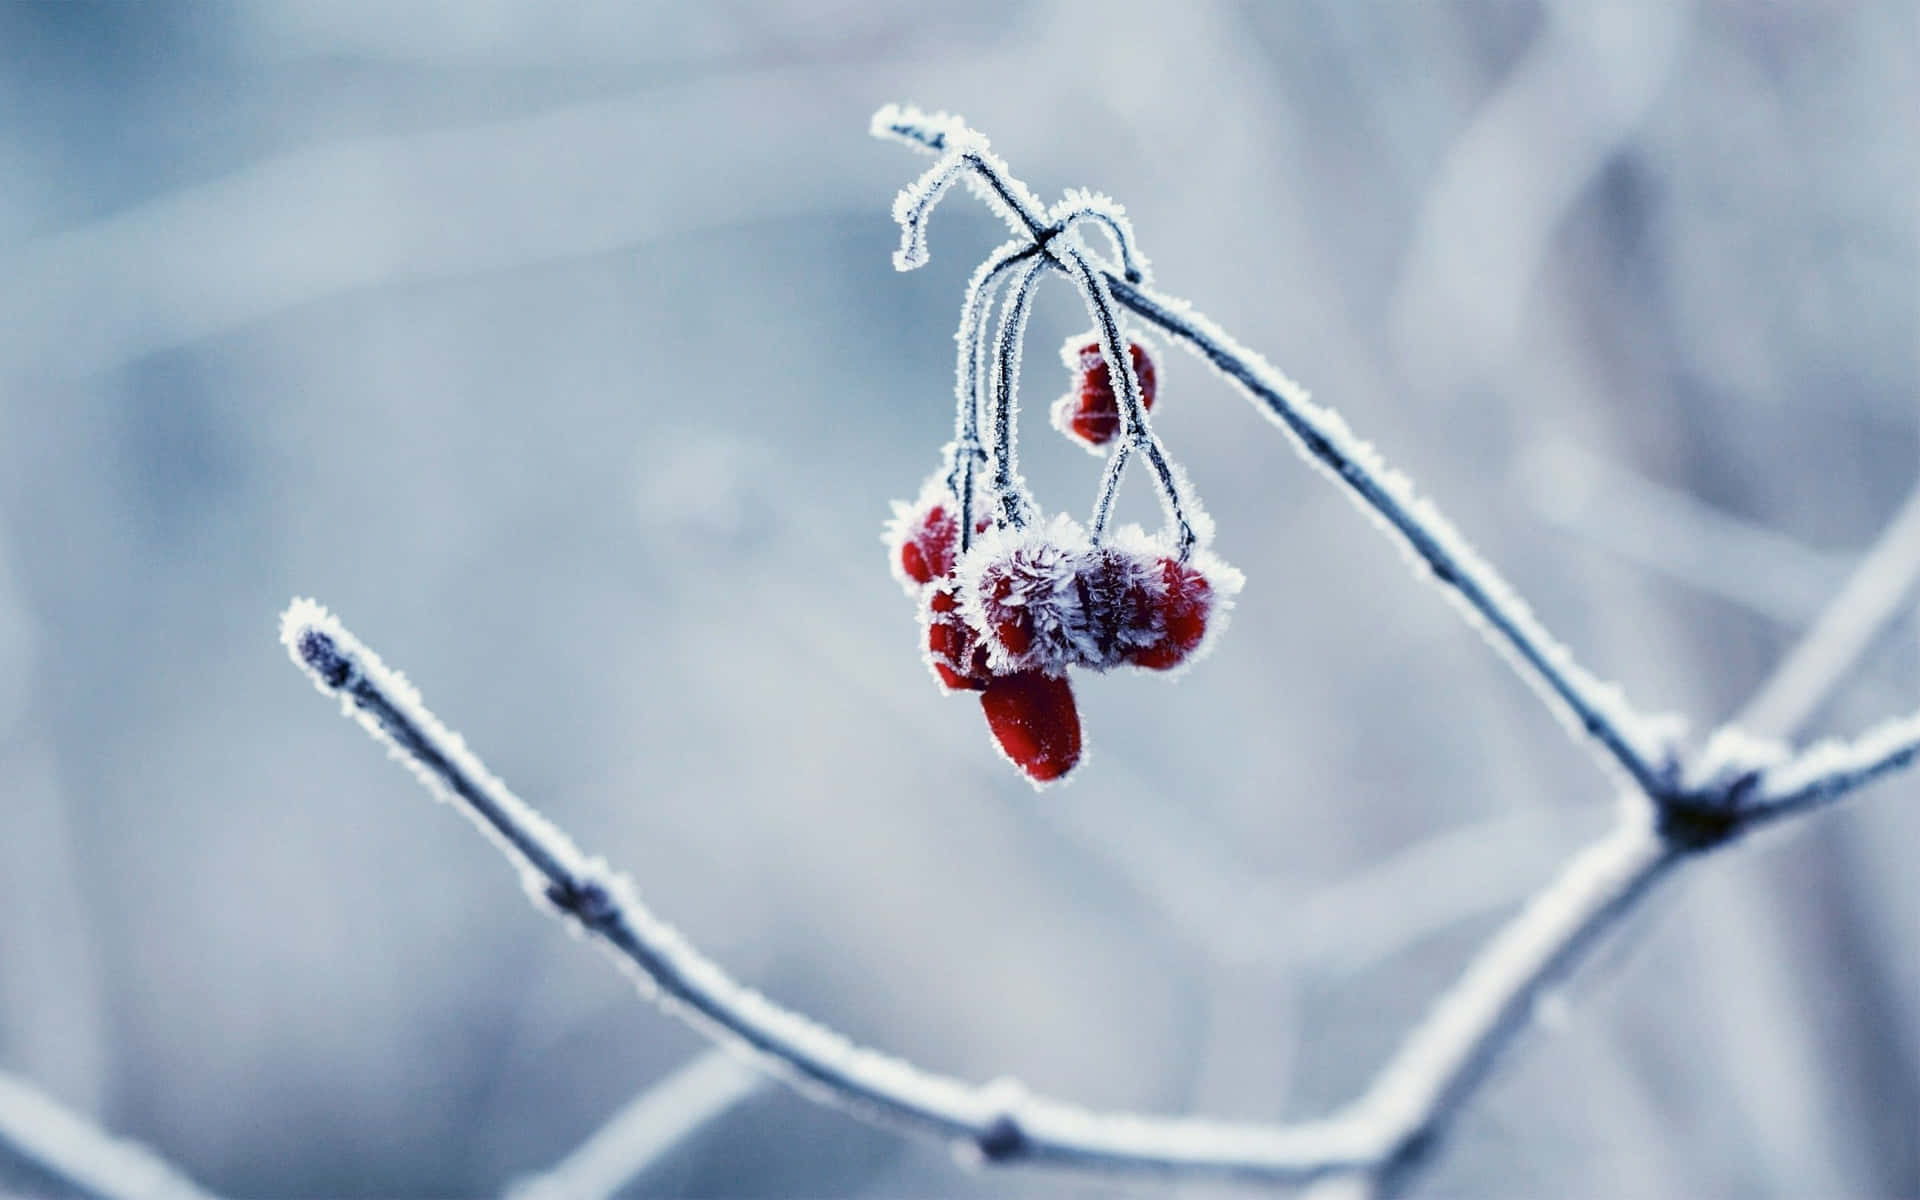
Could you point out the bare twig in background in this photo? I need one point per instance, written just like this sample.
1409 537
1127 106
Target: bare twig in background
1877 593
999 1122
1677 535
67 1148
1475 224
1681 810
709 1084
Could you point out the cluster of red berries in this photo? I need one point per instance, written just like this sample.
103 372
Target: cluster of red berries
1089 414
1007 617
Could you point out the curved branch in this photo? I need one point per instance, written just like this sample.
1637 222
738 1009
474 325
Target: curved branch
1642 746
85 1161
1188 520
1381 1135
997 1122
1012 505
969 380
1078 206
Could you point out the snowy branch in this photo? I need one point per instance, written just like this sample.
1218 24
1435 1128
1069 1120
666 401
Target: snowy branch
997 1122
68 1150
1639 744
1381 1134
646 1129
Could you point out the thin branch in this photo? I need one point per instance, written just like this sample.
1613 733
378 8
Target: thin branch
1452 1051
647 1128
970 380
1879 590
998 1122
1739 797
1078 205
1188 521
1641 745
1383 1133
1013 506
67 1148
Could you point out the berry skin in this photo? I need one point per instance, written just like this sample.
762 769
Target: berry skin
954 651
1090 415
923 537
1033 719
1180 615
926 554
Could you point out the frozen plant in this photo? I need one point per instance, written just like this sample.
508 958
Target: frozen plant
1011 598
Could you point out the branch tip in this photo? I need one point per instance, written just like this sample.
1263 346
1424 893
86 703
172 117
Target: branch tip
312 637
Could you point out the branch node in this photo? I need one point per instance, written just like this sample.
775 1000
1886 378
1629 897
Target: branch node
586 900
1695 826
1002 1140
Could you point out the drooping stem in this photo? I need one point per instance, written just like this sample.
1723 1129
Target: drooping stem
1013 507
1136 431
970 390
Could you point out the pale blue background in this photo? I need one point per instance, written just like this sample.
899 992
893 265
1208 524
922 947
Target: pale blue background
557 349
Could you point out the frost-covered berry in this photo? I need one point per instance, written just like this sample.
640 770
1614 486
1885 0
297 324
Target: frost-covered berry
1032 717
1089 414
1017 592
1116 589
1182 607
927 552
923 537
954 652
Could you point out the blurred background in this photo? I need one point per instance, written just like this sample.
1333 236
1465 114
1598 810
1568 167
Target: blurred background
559 351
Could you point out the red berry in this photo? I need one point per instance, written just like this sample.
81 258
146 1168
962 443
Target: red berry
1013 626
926 552
1116 607
1033 718
1018 592
954 651
924 536
1092 415
1181 614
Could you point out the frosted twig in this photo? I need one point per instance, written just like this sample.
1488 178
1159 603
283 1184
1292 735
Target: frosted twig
1878 590
970 381
1012 506
69 1150
646 1129
1078 206
1626 865
997 1122
1383 1134
1452 1051
1639 744
1190 524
